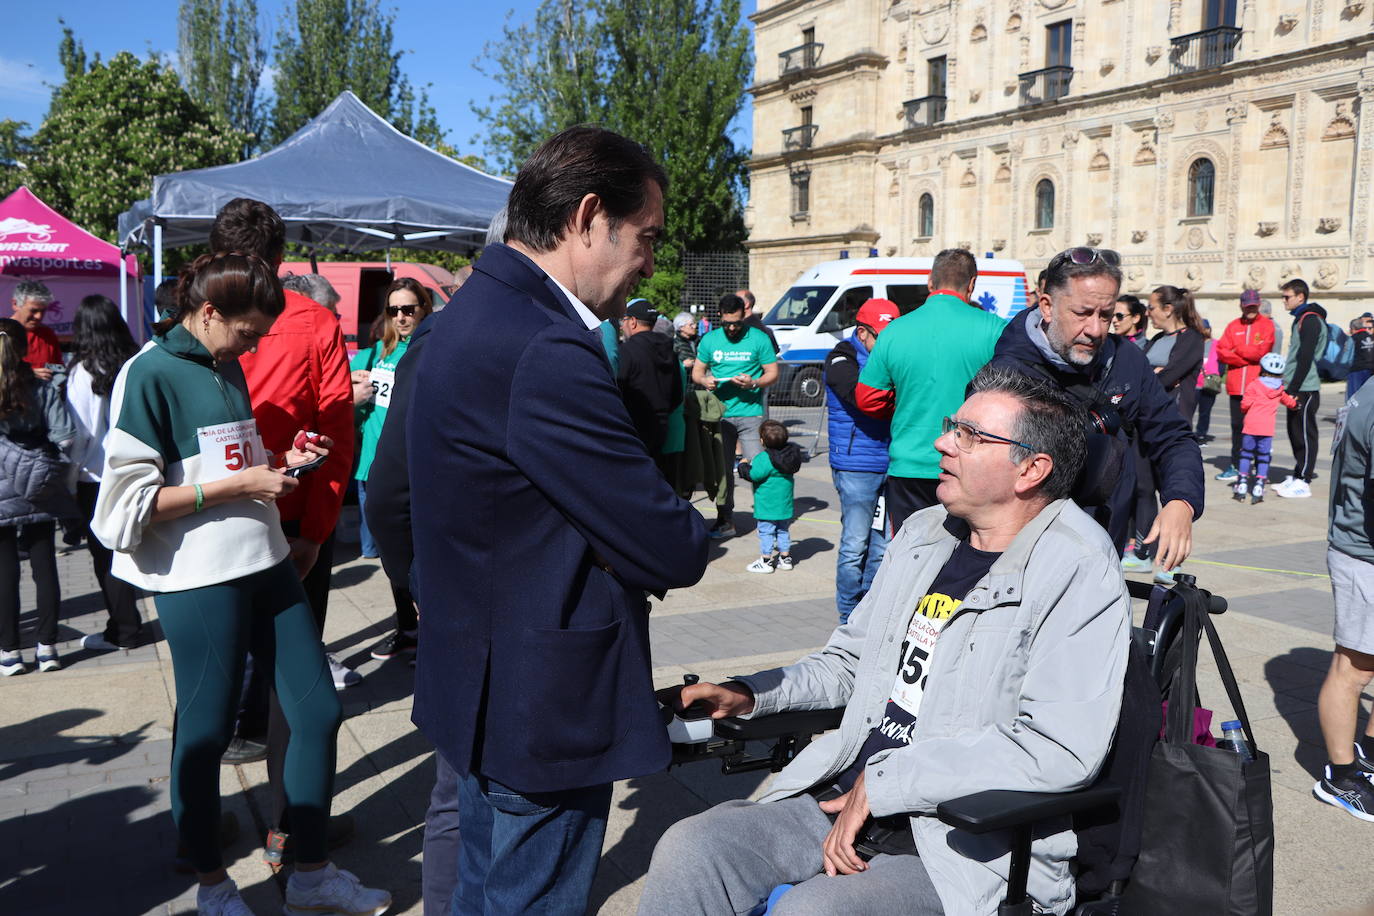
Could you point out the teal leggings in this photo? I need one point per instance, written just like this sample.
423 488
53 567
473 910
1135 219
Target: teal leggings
210 631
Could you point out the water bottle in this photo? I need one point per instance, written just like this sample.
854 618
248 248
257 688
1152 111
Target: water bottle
1233 739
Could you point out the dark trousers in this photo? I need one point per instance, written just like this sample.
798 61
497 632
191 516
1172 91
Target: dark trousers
37 539
1237 422
443 842
905 496
1302 433
1355 381
121 598
1206 400
316 585
1145 508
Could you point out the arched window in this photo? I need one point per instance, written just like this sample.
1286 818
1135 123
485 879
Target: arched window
1202 179
1044 204
925 217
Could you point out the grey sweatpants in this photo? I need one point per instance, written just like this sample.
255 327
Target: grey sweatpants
728 860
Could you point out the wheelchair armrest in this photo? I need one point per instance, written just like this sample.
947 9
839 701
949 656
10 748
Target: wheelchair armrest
805 722
999 809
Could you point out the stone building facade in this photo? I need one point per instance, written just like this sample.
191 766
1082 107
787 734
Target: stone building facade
1218 145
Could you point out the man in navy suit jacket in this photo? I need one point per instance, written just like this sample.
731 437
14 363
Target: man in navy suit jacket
540 524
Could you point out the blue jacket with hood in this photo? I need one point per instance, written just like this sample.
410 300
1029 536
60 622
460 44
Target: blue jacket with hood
1119 378
858 442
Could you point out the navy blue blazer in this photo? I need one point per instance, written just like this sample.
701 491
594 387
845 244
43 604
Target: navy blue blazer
540 522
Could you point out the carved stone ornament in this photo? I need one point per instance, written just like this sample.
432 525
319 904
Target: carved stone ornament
974 95
1041 247
1003 174
1287 272
1146 154
969 180
1153 53
1200 119
1014 22
1352 9
1276 135
1139 235
1327 224
1017 147
1266 229
1342 126
1165 121
925 163
1254 277
979 33
1052 4
1099 162
1135 279
1094 239
1070 139
1196 238
1044 144
1192 277
1106 65
1328 275
967 246
1235 112
1011 86
934 28
891 251
999 244
942 159
1287 21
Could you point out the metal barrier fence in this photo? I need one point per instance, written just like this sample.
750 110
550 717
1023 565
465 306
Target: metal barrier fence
797 400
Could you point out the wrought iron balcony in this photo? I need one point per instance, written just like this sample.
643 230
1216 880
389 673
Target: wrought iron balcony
1203 50
924 112
798 138
1045 85
802 57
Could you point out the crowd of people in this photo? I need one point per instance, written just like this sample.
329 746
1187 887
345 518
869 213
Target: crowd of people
980 465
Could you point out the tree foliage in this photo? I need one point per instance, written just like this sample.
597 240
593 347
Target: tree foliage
111 129
668 73
221 58
327 46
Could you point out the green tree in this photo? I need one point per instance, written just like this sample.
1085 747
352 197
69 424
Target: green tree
16 150
114 127
668 73
327 46
221 57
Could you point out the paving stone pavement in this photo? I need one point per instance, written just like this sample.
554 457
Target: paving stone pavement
84 813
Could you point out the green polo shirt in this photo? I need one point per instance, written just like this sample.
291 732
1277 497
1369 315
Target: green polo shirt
927 358
726 359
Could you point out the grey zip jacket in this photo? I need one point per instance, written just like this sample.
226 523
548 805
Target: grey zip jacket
1024 693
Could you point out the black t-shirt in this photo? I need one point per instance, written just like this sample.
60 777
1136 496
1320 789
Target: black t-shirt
1364 351
961 572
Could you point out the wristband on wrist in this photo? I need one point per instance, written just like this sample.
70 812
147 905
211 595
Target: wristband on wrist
200 497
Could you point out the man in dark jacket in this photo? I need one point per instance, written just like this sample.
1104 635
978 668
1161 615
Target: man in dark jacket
1066 340
1306 343
544 525
858 458
649 378
754 319
1362 357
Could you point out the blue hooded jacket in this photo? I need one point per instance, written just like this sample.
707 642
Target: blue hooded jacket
858 442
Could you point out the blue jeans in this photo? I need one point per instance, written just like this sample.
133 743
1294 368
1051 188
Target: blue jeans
367 545
527 852
771 533
861 545
1354 381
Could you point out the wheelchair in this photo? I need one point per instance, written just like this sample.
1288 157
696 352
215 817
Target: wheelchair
1101 812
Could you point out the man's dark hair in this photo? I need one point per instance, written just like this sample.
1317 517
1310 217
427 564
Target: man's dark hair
953 268
1061 270
748 298
1297 285
249 227
165 296
730 304
566 168
773 434
1051 421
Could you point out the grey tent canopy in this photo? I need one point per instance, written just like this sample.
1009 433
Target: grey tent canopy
346 181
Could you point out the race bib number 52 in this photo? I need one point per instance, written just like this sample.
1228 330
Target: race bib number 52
229 448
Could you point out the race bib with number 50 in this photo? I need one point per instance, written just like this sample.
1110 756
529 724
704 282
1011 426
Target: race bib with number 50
229 448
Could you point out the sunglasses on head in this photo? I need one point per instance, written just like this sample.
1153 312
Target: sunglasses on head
1086 256
406 310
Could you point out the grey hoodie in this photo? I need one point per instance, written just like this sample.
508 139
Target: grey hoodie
1024 693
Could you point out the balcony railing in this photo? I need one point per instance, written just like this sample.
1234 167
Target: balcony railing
1045 85
798 138
802 57
1203 50
924 112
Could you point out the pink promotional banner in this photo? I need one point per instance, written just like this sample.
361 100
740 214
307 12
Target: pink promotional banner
38 243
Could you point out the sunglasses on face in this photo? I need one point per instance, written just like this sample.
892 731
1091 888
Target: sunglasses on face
966 436
1120 316
732 324
406 310
1086 256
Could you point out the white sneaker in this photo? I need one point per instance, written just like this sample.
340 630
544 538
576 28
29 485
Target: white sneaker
784 562
47 658
340 892
343 675
221 900
761 565
1298 489
11 663
97 642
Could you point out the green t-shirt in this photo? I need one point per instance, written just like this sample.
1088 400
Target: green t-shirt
726 360
772 490
372 415
927 358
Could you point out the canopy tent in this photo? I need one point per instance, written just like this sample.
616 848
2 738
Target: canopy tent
346 181
38 243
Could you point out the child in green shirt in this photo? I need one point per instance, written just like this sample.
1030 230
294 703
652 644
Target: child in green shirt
771 474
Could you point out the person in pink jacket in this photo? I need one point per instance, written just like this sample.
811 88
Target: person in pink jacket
1260 404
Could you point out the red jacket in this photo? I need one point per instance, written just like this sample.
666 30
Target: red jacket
1240 347
44 349
299 379
1261 406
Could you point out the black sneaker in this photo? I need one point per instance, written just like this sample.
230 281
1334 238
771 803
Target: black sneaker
1354 793
394 644
243 750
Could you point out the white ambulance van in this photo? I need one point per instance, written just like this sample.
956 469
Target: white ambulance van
818 310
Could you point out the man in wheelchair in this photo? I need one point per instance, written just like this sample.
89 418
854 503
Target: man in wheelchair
989 654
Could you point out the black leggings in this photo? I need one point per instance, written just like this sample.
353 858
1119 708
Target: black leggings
121 598
37 539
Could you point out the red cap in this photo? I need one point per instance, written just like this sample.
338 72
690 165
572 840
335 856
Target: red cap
876 313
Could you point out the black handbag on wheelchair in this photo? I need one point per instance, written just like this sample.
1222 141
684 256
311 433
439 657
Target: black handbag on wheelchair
1208 836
